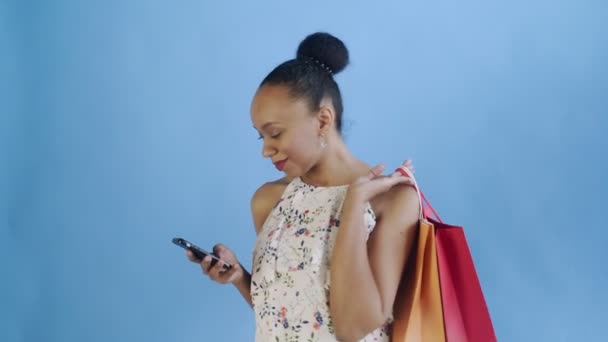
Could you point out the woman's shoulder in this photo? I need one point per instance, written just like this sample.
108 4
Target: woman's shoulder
265 198
399 198
271 189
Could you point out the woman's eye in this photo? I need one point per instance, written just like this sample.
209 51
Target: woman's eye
273 135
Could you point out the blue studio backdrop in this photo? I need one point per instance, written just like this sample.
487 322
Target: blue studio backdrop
126 123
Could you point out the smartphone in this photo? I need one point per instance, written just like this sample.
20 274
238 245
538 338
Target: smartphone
200 253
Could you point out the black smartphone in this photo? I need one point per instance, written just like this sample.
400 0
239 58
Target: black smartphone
200 253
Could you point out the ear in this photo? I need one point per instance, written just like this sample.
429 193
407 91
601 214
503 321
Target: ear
326 116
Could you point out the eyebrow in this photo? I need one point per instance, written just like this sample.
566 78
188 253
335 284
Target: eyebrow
266 125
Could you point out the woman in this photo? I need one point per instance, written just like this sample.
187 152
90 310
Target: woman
333 235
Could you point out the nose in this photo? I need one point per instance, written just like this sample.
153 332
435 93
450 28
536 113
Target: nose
268 150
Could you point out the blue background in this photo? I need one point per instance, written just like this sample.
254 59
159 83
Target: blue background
125 123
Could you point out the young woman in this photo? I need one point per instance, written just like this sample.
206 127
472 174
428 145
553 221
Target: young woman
333 235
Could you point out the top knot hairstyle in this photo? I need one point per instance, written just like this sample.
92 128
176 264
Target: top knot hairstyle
309 76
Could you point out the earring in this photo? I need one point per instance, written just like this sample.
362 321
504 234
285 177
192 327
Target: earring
322 141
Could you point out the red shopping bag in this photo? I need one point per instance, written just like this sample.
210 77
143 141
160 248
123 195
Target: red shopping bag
465 314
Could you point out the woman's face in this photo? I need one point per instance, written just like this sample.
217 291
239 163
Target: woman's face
289 130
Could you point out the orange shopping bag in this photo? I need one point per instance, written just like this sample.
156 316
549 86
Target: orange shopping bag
418 314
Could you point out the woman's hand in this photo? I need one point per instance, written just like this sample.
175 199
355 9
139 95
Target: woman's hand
375 183
216 272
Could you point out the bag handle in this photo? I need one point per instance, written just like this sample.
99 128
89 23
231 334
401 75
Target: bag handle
428 205
424 202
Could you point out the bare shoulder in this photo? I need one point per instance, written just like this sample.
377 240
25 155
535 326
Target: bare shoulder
399 204
264 199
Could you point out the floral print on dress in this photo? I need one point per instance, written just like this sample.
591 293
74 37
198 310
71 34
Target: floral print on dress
290 281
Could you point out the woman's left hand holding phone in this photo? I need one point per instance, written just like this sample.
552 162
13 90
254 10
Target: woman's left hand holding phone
216 272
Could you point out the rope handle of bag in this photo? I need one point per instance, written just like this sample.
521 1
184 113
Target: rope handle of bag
424 202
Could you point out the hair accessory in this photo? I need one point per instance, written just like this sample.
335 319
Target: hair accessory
323 66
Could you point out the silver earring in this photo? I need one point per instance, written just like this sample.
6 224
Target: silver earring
322 141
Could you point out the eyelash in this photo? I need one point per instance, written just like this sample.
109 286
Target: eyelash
276 136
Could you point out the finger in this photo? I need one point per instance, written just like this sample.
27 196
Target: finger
404 171
399 178
226 255
219 249
217 270
227 276
206 265
404 180
376 171
191 257
409 164
383 184
393 181
397 173
231 276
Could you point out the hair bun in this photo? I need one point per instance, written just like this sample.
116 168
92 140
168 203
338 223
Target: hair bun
325 49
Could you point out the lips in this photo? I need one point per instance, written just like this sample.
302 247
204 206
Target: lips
280 165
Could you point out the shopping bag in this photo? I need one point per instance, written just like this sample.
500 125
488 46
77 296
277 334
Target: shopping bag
417 314
465 316
465 313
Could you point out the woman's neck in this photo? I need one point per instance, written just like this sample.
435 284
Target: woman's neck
337 166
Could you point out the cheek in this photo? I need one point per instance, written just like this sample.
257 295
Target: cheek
301 149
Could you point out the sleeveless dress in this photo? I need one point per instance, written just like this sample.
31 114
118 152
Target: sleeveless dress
290 281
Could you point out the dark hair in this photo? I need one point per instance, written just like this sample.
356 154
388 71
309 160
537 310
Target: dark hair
310 75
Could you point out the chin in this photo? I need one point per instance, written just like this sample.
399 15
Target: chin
291 173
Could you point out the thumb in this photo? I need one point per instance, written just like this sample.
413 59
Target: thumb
218 248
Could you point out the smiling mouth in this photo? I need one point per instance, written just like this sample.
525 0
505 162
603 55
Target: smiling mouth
280 165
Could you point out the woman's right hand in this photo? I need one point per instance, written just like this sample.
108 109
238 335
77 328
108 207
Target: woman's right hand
217 273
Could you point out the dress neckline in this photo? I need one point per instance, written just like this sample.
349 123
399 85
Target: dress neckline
341 186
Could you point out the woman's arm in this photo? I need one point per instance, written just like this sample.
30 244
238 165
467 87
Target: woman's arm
365 275
243 285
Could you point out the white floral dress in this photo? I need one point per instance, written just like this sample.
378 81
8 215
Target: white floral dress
290 279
